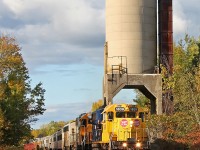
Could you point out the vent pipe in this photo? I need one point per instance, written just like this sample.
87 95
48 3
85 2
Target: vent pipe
166 34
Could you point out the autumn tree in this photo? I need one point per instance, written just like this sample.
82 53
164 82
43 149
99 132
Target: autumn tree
184 124
19 103
97 105
141 99
48 129
186 77
1 123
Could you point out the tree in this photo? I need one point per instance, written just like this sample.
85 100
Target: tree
1 123
184 124
19 103
141 99
186 77
48 129
97 105
52 127
35 133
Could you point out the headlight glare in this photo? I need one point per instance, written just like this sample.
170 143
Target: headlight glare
131 122
124 144
138 145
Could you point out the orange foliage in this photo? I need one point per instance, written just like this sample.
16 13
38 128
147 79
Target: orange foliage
192 139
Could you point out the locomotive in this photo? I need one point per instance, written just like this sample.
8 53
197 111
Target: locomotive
122 127
115 126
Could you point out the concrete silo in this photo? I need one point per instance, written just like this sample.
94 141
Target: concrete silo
130 54
131 32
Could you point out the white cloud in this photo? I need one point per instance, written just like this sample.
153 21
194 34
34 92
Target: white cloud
180 21
186 18
180 25
56 32
16 6
62 112
73 31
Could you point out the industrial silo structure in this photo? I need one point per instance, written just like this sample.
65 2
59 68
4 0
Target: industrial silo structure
131 32
131 56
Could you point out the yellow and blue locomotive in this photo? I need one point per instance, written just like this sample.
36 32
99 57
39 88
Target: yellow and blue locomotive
120 126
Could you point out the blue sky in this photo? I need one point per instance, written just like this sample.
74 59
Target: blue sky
62 44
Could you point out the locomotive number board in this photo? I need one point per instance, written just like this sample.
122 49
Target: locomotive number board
134 109
119 109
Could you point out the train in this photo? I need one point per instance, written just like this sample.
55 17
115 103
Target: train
111 127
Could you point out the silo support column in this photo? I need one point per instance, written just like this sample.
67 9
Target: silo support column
149 84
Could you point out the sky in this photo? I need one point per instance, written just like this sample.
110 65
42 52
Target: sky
62 44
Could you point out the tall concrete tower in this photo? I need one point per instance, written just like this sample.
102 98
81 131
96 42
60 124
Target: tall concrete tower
130 54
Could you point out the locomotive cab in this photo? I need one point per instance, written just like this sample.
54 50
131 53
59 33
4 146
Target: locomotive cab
84 129
97 118
124 126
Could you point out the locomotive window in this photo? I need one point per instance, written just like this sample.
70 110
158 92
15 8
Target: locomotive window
66 128
120 114
93 117
110 115
90 121
131 115
78 123
73 131
141 115
59 137
84 122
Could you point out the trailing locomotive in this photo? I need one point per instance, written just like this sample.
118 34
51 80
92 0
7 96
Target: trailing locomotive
84 131
116 126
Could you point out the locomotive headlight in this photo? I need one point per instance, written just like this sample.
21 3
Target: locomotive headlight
138 144
131 123
124 144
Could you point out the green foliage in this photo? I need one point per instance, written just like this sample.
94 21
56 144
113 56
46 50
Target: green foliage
12 147
186 77
141 99
184 123
172 127
97 105
48 129
1 123
19 104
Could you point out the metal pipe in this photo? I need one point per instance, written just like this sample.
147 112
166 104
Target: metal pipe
105 57
165 19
